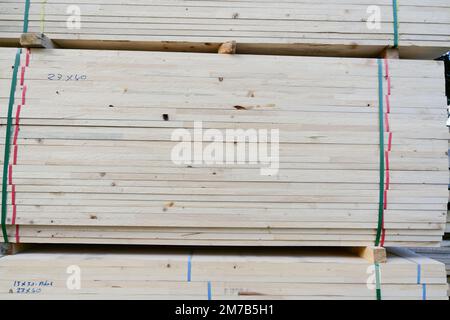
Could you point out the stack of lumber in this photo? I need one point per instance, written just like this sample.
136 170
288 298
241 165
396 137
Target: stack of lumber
139 273
339 28
439 254
91 162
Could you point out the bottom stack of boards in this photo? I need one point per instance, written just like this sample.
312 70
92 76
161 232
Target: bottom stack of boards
440 254
148 273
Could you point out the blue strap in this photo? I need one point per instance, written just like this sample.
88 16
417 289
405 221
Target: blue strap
209 291
189 270
424 292
419 273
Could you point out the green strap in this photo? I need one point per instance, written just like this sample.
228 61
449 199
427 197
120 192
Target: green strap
381 171
8 145
378 280
25 16
395 13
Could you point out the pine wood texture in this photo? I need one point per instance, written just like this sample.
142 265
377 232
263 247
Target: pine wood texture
139 273
93 150
308 27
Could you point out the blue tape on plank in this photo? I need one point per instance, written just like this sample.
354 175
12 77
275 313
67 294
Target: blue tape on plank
189 271
209 291
419 273
424 291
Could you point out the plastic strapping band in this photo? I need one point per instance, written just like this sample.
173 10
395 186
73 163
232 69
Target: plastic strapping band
17 234
13 195
381 171
13 221
209 291
419 281
390 142
419 274
419 277
378 280
25 16
189 270
16 134
24 94
8 146
388 104
22 75
10 171
27 59
395 13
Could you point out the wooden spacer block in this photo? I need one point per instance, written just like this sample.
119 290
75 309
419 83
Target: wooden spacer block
14 248
228 47
36 40
372 254
390 53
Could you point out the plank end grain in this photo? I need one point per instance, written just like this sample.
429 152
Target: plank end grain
371 253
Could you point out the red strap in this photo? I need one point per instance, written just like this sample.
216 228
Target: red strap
383 235
27 57
10 174
19 107
388 104
15 155
22 74
17 234
386 118
13 195
24 92
390 142
386 66
386 154
13 220
388 180
16 133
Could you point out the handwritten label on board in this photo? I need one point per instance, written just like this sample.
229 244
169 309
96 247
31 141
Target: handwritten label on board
66 77
30 287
